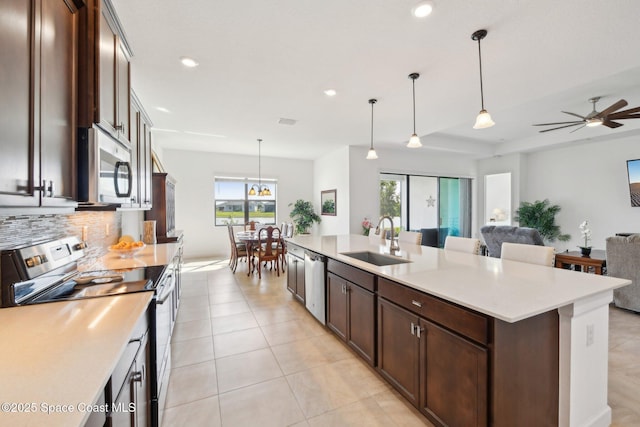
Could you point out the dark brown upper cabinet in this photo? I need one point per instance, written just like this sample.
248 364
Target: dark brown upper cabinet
38 69
140 155
104 81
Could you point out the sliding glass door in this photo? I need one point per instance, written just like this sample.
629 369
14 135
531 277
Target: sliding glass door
435 206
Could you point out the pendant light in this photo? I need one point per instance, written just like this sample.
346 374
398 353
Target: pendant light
260 190
484 118
414 141
371 155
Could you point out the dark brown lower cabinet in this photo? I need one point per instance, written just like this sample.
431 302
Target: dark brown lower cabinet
337 305
438 371
295 277
398 349
351 315
453 377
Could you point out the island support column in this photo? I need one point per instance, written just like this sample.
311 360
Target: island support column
584 352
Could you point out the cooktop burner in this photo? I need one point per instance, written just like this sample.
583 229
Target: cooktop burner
101 283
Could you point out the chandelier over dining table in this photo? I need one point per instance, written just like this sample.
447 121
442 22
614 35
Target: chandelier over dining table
259 189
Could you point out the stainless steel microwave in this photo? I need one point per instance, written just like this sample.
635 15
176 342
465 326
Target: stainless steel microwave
105 174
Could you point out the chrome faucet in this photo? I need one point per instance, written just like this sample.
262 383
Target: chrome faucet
394 244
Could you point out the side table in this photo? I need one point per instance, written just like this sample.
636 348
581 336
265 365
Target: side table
596 261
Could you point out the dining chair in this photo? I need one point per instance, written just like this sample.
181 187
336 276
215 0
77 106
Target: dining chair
284 228
413 237
238 249
532 254
462 244
269 249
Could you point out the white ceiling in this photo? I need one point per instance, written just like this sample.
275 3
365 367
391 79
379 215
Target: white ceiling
264 60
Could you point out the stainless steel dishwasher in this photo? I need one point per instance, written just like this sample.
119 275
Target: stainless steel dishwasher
314 284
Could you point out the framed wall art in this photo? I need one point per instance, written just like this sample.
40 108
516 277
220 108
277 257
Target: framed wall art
328 202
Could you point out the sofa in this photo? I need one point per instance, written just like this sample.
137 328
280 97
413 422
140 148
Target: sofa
495 235
623 261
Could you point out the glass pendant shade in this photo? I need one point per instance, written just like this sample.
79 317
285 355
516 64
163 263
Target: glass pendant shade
483 120
414 141
372 155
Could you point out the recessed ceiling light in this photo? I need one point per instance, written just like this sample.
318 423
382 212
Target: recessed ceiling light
288 122
188 62
422 9
330 92
164 110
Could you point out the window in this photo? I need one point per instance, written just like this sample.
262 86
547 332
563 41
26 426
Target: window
233 205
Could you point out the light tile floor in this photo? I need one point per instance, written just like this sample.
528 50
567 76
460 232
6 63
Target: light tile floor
245 353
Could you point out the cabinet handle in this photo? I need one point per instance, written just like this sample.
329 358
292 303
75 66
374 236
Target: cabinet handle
137 377
416 303
413 329
120 127
419 331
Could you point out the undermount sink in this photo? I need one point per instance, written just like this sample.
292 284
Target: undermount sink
375 258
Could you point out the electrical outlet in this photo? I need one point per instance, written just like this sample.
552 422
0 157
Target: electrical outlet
590 335
106 230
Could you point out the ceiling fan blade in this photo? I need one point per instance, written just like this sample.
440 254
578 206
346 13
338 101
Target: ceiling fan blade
624 113
576 115
577 129
561 127
615 107
610 124
557 123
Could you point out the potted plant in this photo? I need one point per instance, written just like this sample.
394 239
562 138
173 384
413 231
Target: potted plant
541 215
303 215
586 235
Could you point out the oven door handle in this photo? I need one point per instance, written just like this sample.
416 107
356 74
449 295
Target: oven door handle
161 300
115 179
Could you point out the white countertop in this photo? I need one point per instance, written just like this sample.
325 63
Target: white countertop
62 353
506 290
158 254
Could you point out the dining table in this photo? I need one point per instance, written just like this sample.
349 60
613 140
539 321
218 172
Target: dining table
251 240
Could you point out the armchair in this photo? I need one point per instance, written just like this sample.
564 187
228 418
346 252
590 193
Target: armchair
623 260
495 235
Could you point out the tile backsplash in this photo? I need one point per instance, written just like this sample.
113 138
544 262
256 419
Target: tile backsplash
103 229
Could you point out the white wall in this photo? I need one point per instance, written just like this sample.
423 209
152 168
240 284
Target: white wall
516 164
331 171
364 175
194 172
588 181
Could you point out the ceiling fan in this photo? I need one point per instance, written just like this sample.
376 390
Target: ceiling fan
605 117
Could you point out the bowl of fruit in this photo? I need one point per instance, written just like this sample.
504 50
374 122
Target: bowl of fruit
127 248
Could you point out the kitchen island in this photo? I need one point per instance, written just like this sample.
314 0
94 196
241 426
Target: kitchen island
539 334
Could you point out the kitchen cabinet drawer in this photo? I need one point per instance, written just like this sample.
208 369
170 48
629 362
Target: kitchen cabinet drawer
467 323
352 274
295 250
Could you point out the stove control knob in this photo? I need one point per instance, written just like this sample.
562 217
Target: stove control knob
35 260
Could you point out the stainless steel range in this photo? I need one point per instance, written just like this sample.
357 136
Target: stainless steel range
47 271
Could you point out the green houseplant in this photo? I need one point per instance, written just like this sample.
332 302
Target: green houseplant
541 215
303 215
